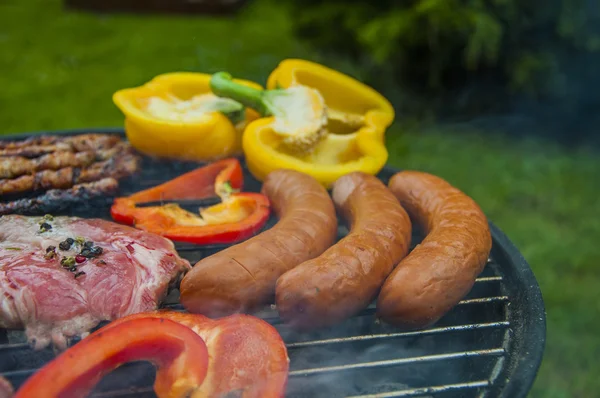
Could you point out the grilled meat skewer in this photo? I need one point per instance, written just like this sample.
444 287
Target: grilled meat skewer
115 167
72 170
56 200
36 140
15 166
43 145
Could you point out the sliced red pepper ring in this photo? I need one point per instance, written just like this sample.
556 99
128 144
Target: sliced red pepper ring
247 354
179 353
237 217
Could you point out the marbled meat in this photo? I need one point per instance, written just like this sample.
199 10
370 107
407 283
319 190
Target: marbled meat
61 276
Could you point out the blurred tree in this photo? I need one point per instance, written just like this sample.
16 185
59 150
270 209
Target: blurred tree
159 6
439 46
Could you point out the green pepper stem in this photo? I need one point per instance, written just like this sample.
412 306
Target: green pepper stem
222 85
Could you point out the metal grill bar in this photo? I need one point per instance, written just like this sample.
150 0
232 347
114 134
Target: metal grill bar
5 348
415 392
400 361
449 329
483 300
18 373
480 300
489 279
364 365
433 331
372 306
270 315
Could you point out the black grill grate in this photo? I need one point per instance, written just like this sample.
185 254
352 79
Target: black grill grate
490 345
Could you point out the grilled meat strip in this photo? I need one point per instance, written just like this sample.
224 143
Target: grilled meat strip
15 166
115 167
36 140
56 200
73 170
43 145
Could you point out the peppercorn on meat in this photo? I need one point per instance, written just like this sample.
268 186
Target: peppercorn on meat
61 276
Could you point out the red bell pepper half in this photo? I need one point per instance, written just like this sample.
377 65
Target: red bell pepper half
246 357
237 217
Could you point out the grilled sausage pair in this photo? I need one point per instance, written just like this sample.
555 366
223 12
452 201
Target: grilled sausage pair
317 284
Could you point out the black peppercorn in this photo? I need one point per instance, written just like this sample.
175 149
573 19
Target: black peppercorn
66 244
45 227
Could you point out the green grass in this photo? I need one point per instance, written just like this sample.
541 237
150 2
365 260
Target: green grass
546 200
59 69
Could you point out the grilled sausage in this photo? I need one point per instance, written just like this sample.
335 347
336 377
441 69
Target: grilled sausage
346 278
242 277
440 271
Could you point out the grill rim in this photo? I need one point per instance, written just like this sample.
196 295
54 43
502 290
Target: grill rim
520 372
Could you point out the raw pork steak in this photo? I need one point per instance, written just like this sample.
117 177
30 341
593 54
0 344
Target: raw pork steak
56 290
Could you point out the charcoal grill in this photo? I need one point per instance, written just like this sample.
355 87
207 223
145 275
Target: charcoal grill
490 345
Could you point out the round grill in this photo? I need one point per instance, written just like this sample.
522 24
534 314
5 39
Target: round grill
490 345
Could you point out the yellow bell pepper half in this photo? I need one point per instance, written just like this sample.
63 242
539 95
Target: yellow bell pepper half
343 150
172 116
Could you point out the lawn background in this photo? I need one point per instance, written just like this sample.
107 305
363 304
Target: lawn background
58 70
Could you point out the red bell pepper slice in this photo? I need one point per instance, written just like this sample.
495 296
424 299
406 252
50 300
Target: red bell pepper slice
246 355
237 217
180 354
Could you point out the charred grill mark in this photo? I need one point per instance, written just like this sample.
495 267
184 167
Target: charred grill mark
75 176
58 199
116 167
